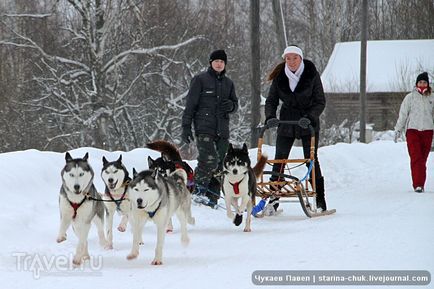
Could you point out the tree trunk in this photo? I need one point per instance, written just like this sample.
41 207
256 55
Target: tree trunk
256 72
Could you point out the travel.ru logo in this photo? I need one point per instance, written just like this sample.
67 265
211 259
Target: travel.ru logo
40 264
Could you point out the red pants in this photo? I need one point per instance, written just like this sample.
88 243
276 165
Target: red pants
419 146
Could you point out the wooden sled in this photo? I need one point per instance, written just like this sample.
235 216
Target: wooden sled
289 186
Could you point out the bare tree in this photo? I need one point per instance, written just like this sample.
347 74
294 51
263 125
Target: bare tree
114 74
89 92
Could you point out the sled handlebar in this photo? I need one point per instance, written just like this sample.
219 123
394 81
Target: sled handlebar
290 122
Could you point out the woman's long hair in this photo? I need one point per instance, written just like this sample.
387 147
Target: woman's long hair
276 70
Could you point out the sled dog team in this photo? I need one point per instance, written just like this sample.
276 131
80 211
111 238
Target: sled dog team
154 195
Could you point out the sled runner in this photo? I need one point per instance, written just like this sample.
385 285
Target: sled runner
288 185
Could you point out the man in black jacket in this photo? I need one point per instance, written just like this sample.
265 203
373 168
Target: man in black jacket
210 100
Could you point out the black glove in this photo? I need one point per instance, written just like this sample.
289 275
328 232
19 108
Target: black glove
187 135
312 120
304 122
226 105
272 122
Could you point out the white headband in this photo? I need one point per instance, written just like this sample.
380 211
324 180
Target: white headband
292 49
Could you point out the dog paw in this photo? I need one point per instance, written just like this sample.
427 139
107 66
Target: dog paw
247 230
238 219
108 247
230 215
169 230
121 228
76 261
156 262
132 256
61 239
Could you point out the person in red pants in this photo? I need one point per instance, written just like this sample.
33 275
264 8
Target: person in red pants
416 118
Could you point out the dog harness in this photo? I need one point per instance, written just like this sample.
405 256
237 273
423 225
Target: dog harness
118 202
152 214
236 186
75 206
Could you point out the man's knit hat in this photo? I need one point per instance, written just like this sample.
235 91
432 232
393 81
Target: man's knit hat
218 54
422 76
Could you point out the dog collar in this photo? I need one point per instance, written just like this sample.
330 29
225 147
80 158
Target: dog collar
236 186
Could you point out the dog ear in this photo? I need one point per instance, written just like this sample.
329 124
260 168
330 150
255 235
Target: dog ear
134 173
231 148
68 157
86 156
150 162
119 160
245 148
104 160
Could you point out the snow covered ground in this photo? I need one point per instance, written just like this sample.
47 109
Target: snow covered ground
380 224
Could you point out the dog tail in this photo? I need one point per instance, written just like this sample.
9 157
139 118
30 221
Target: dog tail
180 175
166 148
260 165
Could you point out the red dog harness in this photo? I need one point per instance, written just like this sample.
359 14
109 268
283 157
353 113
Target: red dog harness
75 206
236 186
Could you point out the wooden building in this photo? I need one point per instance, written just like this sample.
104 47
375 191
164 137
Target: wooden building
392 67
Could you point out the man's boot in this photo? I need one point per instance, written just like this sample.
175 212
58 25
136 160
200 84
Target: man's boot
213 192
199 195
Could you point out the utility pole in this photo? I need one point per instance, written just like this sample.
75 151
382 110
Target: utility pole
363 45
256 73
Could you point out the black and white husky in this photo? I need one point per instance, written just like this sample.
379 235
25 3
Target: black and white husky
80 204
157 198
116 179
239 183
169 162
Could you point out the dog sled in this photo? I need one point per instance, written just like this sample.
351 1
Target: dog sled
289 186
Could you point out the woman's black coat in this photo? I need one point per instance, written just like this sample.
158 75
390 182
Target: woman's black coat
307 100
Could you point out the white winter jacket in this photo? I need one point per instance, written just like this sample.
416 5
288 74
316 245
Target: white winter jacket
416 112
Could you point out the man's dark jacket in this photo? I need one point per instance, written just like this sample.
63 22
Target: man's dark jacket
307 100
207 91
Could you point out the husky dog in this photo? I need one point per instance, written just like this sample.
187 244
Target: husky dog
116 179
157 198
169 161
239 182
79 204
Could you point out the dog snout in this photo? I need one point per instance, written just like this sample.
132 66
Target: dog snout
77 188
235 171
139 202
110 180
